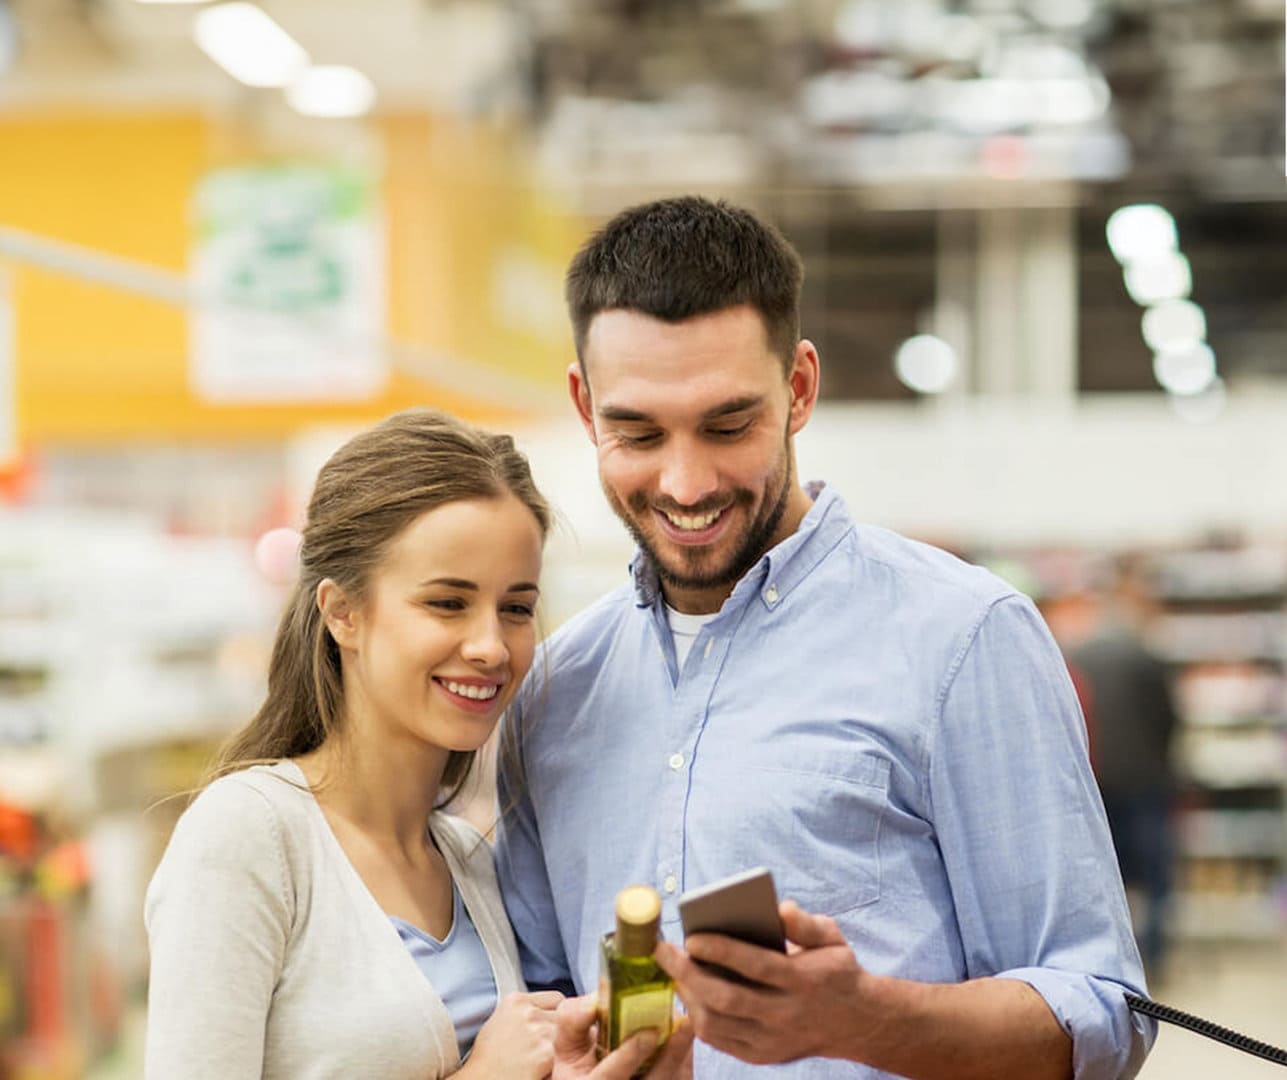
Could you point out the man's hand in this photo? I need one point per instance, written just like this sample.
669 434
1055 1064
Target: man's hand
574 1049
817 1001
805 999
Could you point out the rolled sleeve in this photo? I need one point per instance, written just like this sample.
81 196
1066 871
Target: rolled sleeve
1109 1041
1029 857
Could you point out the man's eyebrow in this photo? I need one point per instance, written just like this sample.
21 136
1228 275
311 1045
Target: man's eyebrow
622 414
737 405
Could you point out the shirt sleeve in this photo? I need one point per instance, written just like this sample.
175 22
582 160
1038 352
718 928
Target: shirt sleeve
1026 844
218 917
520 867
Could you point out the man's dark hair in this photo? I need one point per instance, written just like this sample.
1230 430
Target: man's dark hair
677 258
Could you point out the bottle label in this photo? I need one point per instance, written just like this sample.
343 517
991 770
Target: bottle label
648 1009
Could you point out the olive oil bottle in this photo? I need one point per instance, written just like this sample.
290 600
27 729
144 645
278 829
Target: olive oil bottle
634 992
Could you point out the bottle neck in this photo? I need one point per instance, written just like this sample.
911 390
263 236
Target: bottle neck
635 939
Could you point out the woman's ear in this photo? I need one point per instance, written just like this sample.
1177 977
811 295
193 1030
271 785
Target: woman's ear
338 613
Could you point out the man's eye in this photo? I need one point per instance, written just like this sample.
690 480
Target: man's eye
638 440
731 432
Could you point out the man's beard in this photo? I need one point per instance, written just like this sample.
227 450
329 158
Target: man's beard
752 544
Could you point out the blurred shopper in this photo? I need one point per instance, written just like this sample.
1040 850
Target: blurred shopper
1126 696
891 731
316 915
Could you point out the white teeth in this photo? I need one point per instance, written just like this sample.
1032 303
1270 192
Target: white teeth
688 521
478 693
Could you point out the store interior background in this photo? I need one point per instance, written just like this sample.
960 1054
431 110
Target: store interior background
206 284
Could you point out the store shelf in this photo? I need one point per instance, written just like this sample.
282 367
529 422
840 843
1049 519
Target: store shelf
1224 629
1235 917
1216 833
126 655
1194 637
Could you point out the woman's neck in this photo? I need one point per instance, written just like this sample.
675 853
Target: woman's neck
386 791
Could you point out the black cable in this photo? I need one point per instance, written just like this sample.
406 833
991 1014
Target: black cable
1205 1027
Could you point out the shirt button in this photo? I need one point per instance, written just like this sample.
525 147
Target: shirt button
771 594
706 653
670 884
676 761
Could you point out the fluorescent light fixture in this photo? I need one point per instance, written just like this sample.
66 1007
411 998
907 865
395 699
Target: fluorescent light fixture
248 45
172 2
926 363
1161 277
1184 371
1174 324
331 90
1142 231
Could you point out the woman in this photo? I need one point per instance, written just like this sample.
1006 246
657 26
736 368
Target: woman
315 915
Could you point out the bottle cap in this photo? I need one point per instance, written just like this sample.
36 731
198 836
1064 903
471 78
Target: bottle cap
638 917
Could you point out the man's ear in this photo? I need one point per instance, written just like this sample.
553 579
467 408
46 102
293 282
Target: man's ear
338 613
803 381
579 389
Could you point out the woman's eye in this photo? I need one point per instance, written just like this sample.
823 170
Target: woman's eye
446 604
523 611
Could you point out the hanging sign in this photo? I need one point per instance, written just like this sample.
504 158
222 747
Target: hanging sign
288 270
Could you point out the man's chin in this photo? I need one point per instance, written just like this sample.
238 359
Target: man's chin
685 574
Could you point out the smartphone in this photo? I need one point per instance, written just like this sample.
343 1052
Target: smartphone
742 906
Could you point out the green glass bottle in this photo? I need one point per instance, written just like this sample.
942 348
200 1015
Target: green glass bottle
634 993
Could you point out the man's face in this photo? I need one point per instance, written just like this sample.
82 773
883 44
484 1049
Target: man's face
692 422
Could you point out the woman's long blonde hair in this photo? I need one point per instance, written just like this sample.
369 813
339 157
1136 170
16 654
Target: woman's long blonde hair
370 489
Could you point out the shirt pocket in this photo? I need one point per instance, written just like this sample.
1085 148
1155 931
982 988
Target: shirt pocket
818 831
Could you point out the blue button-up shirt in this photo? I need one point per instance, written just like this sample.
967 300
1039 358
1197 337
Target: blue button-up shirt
892 731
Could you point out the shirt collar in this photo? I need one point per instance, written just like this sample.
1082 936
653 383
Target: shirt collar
781 568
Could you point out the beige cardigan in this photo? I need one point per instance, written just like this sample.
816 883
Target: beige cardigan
272 961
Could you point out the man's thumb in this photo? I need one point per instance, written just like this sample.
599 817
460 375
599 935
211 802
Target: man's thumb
806 930
573 1020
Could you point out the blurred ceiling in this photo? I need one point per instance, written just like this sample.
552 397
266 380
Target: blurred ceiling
858 123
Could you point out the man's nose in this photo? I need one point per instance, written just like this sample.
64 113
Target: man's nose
687 476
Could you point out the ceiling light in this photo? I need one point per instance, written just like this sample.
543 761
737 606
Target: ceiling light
1141 231
1174 324
926 363
248 45
172 1
1184 371
1162 277
331 90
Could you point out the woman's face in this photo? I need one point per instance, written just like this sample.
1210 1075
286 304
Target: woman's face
447 630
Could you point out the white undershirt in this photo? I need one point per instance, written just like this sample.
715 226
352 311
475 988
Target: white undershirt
684 629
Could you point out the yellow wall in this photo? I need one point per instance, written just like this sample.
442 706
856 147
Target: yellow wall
94 363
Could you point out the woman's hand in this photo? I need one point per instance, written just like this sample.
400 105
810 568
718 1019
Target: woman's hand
517 1042
574 1048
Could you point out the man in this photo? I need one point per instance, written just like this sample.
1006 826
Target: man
891 731
1126 697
